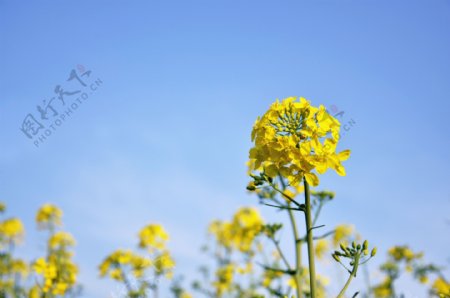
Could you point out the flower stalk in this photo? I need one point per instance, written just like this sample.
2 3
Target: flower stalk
298 254
310 241
352 274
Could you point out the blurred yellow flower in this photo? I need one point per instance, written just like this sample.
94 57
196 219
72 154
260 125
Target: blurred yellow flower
400 253
224 279
341 234
186 295
321 248
11 230
19 267
58 274
49 216
441 287
153 236
383 290
120 261
241 232
61 240
164 264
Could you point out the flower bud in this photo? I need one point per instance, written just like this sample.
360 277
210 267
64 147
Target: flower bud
251 188
365 244
336 258
374 252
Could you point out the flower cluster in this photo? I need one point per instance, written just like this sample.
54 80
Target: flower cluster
153 236
294 138
402 258
11 231
441 287
59 275
12 270
224 279
235 245
57 271
49 217
118 263
240 232
139 272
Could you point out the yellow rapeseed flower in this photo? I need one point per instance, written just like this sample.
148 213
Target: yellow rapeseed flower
61 240
294 138
49 216
224 279
441 287
342 234
241 232
120 261
399 253
153 237
164 264
321 248
11 230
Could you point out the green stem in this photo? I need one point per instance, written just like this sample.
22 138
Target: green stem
298 243
316 215
310 240
291 200
298 254
352 274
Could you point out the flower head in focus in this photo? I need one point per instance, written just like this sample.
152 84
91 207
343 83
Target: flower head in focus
294 138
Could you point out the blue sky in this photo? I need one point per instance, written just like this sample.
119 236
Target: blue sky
165 137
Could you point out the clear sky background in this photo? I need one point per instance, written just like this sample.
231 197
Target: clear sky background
166 136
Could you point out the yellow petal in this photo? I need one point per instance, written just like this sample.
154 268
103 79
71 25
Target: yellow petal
312 179
344 155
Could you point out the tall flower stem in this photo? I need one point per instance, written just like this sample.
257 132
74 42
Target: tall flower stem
298 246
310 241
352 274
298 254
